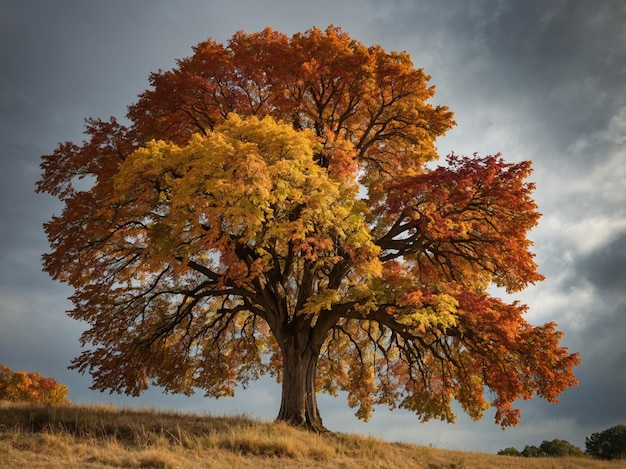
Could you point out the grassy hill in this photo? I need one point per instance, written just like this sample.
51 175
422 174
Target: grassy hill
101 437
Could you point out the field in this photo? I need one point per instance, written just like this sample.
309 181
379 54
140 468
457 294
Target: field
76 436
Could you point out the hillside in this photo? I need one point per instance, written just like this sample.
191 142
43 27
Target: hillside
101 437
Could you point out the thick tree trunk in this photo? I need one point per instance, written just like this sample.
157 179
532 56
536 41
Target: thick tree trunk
298 405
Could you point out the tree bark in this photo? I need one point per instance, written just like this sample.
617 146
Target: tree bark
298 405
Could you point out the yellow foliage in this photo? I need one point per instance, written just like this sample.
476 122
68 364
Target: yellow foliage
254 180
441 312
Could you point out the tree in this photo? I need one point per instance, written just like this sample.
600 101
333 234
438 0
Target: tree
607 444
555 448
269 209
510 451
559 448
531 451
20 386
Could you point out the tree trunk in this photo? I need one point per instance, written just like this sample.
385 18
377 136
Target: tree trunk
298 405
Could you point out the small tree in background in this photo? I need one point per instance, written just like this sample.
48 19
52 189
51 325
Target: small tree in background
510 451
559 448
555 448
20 386
531 451
607 444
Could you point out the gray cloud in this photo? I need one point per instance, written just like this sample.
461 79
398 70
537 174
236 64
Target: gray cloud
605 268
591 295
560 65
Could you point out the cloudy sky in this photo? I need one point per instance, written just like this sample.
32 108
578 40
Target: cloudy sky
532 79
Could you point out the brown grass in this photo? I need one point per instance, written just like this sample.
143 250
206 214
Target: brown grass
76 436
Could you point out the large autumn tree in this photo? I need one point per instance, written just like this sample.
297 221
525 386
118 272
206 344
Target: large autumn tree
268 208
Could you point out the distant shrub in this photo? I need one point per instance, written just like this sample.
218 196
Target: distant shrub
20 386
510 451
555 448
559 448
608 444
531 451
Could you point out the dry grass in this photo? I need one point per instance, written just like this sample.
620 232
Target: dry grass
102 437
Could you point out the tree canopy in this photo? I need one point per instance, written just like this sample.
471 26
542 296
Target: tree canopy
269 208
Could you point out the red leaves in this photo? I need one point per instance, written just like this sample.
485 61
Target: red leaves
457 229
322 80
517 360
468 221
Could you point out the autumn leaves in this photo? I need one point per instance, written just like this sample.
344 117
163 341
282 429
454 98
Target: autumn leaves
269 210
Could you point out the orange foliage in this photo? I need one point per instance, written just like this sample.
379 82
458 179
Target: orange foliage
269 210
20 386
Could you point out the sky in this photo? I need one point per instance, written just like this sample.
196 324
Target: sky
533 80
